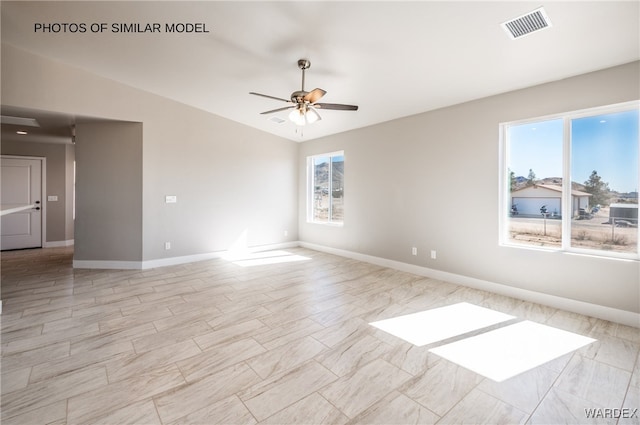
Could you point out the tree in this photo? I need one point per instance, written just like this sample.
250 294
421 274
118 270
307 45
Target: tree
512 181
598 189
531 178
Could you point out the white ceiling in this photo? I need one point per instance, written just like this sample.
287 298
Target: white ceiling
393 59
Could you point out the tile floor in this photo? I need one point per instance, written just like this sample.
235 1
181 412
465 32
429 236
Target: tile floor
287 343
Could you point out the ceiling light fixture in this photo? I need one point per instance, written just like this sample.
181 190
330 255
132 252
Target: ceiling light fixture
21 132
304 114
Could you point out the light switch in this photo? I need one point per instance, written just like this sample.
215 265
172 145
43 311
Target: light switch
52 198
170 199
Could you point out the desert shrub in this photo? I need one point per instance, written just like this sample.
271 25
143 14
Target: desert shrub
619 240
582 235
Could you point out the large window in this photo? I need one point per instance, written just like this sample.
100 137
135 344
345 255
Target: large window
326 188
570 182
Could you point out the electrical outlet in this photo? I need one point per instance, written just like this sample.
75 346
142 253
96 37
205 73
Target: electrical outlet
167 245
414 251
433 254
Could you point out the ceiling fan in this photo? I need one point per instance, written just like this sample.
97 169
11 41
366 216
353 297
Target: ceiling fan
305 104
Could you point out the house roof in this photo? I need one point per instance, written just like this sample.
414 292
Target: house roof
392 59
556 189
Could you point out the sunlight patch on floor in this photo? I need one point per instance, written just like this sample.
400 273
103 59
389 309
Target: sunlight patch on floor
427 327
250 259
503 353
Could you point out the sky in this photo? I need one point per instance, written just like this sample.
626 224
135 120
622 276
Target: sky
607 143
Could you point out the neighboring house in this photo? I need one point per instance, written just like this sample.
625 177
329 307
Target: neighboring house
530 199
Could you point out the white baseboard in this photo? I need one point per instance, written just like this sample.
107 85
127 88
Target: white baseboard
99 264
594 310
57 244
171 261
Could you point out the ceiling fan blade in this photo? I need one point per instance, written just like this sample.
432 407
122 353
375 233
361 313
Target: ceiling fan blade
270 97
336 106
278 110
314 95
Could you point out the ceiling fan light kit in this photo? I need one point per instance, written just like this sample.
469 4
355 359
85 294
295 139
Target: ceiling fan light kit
305 104
304 114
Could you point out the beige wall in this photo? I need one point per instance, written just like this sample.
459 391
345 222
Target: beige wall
70 158
230 180
109 192
59 182
431 181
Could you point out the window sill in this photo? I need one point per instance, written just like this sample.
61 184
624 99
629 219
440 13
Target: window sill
576 252
324 223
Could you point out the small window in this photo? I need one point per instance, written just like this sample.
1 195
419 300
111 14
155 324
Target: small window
571 182
326 188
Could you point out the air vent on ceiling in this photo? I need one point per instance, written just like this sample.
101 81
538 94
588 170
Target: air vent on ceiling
527 24
29 122
277 120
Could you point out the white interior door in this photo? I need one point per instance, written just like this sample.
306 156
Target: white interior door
21 184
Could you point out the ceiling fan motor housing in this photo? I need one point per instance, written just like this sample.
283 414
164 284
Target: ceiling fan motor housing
304 64
298 96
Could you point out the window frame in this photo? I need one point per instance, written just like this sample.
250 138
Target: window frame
504 195
311 188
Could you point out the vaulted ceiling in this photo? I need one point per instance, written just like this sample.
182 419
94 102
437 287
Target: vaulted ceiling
393 59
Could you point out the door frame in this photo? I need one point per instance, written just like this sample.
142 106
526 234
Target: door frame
43 195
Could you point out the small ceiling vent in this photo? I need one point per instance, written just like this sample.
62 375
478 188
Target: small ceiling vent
527 24
277 120
29 122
